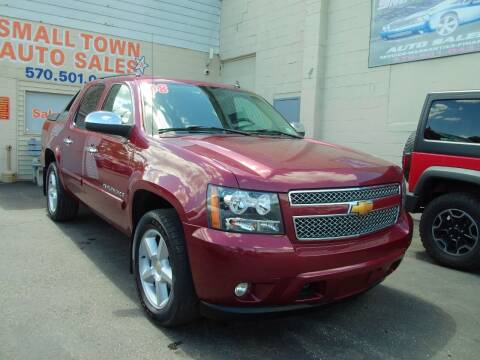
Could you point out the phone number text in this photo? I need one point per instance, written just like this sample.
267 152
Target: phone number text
60 76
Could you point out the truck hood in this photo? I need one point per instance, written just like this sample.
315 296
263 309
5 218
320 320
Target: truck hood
284 164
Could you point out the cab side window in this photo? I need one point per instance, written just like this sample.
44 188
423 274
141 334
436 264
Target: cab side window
64 114
119 101
88 104
454 121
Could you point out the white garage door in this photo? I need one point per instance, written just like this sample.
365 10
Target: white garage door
241 71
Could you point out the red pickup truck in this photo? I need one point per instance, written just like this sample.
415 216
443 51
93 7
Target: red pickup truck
227 206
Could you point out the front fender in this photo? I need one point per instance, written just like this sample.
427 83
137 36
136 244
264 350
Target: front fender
187 195
190 205
164 193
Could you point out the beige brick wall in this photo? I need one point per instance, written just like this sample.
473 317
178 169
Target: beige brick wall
272 30
376 109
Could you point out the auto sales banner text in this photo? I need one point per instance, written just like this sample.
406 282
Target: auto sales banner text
409 30
58 54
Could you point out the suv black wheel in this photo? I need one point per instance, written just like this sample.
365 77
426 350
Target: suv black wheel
162 271
61 206
449 230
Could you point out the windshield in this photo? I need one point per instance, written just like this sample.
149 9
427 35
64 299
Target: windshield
179 106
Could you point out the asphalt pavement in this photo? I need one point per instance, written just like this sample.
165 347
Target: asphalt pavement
66 293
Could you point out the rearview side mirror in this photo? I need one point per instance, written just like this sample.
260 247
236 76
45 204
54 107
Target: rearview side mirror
53 117
299 128
108 123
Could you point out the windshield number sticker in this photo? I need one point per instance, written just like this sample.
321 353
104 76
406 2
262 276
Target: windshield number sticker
162 89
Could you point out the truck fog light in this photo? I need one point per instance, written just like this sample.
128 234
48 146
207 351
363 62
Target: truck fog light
241 289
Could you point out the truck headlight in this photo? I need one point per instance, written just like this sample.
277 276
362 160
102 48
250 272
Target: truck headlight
243 211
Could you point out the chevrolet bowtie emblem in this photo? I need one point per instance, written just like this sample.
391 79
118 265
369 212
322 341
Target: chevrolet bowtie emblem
361 208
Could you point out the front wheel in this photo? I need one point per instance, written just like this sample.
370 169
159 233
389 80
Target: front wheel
450 230
162 271
61 206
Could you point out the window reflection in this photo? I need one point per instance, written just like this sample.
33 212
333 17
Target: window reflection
119 101
454 120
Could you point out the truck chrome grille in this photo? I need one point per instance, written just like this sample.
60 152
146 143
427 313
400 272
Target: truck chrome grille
336 196
326 227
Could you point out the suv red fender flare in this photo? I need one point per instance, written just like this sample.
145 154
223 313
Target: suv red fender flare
414 199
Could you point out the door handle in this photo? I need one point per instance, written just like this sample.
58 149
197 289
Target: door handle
67 141
92 149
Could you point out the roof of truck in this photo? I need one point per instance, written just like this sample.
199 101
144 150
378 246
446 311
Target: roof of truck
142 78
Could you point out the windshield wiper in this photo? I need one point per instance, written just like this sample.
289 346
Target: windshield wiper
275 132
199 129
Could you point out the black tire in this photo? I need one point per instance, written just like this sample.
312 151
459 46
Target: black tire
67 206
467 203
408 148
182 306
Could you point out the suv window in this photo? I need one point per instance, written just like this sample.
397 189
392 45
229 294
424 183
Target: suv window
88 104
119 101
454 121
64 114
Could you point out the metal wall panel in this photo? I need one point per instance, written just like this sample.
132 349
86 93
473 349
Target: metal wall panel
191 24
241 71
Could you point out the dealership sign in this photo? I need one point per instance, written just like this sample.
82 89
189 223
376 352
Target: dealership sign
55 53
410 30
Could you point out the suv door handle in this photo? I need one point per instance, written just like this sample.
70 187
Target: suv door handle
92 149
67 141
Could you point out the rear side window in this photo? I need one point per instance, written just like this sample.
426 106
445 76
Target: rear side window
64 114
88 104
119 101
454 121
69 105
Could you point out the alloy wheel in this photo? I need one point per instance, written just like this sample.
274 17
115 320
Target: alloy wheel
455 232
447 25
52 192
154 269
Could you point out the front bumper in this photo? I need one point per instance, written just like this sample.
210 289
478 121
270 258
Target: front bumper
285 273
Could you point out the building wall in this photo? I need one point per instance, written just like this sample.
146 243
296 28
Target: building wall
376 109
190 24
271 34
